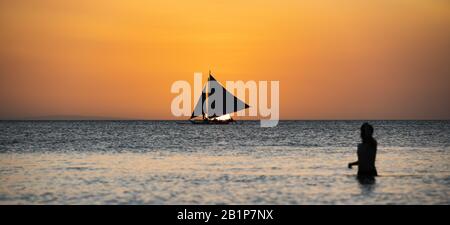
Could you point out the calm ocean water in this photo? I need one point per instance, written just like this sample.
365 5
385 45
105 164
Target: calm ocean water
168 162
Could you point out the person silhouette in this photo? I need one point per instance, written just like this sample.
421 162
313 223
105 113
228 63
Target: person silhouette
367 152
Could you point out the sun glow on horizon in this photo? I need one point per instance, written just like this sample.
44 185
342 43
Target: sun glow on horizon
118 59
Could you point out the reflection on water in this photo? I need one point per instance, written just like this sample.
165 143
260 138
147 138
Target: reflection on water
287 177
367 185
67 163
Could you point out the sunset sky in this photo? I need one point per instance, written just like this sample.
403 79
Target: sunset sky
334 59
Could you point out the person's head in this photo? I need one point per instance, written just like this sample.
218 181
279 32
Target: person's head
367 133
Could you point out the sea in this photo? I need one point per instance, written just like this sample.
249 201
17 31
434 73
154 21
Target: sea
175 162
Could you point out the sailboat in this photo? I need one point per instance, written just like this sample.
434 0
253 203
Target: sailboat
209 113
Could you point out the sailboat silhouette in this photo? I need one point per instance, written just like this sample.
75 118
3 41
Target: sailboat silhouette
219 109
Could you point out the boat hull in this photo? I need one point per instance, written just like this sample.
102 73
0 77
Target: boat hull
211 122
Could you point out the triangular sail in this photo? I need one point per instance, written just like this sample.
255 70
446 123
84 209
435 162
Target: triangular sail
229 102
219 106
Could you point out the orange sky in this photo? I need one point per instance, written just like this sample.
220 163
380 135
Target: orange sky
334 59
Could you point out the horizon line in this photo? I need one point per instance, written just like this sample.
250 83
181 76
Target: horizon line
137 119
112 118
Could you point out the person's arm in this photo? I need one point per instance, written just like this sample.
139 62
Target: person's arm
357 161
352 164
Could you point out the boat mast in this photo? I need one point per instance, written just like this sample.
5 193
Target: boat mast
207 93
